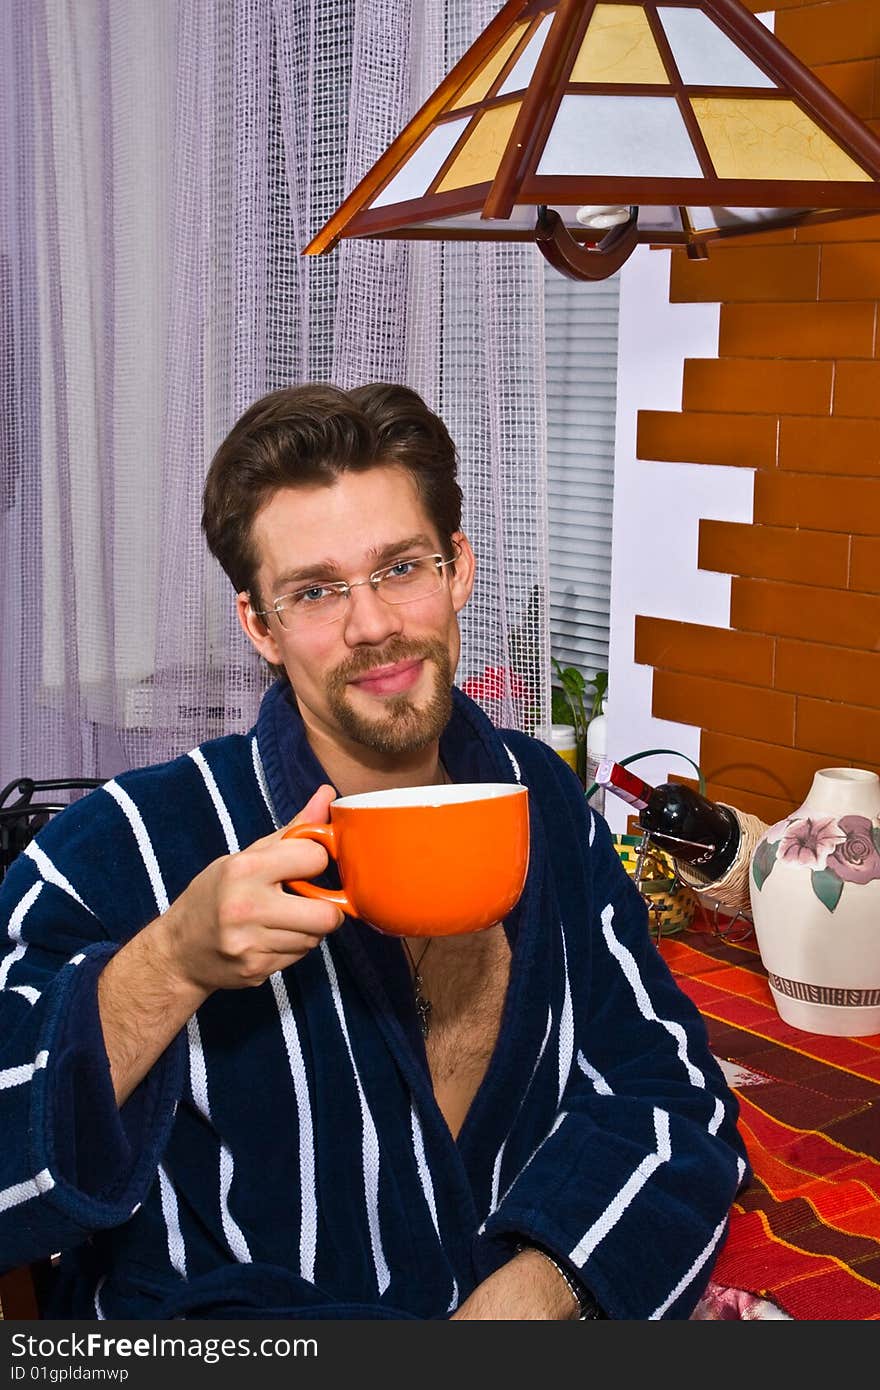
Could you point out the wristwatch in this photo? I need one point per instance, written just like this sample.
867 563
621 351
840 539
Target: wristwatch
588 1308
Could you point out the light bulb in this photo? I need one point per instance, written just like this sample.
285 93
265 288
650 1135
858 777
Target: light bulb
602 217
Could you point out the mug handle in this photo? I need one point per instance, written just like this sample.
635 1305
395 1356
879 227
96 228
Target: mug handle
323 835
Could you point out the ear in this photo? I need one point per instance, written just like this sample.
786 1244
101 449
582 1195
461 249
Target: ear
461 582
257 631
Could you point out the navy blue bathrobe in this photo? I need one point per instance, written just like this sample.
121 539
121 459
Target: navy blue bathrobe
286 1157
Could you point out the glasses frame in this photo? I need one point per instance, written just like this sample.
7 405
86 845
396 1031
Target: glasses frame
343 588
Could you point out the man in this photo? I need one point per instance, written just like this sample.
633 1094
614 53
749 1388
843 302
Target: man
218 1098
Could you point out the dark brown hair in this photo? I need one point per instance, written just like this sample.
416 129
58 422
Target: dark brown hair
302 435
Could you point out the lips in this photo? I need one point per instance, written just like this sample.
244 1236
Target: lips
389 680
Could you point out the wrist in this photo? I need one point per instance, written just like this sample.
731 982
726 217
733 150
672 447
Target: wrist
164 960
584 1305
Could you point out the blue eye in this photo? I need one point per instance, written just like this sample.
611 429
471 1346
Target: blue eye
316 594
402 569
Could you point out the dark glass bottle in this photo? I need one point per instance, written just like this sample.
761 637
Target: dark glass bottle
696 831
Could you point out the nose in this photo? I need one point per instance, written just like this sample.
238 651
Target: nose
369 620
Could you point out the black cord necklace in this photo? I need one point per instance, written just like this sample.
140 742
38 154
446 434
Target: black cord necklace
423 1003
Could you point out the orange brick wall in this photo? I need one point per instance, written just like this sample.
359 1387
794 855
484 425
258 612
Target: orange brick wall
795 394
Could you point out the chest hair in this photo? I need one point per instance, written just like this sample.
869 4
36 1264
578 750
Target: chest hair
466 980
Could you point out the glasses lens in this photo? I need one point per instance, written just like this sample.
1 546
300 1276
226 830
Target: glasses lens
311 607
410 580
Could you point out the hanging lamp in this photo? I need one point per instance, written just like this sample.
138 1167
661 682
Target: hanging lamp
589 127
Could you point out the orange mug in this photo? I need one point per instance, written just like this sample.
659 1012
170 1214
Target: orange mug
426 861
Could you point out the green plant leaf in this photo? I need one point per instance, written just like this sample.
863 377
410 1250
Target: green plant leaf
574 681
560 709
827 887
762 862
600 688
875 832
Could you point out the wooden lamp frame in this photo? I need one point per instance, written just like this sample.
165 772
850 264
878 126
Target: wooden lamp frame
794 202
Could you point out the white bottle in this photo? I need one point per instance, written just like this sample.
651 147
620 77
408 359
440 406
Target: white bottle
596 750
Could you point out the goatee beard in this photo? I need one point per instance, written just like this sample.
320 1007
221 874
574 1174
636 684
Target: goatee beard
402 726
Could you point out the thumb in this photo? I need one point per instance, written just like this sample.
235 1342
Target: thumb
317 808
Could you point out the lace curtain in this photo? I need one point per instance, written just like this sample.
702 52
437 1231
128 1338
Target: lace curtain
162 166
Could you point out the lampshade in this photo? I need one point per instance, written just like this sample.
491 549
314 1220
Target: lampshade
589 126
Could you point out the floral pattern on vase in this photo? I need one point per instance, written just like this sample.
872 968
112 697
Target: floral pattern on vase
814 883
835 851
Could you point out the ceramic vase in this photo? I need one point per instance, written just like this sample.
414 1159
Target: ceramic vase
814 884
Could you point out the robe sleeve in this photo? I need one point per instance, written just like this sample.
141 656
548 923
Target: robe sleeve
71 1162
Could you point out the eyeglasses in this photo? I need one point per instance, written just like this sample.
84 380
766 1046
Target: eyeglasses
406 581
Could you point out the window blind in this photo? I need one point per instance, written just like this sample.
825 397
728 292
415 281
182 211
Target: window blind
581 327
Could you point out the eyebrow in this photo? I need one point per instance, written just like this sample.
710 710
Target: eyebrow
379 554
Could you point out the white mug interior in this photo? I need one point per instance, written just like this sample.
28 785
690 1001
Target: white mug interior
449 795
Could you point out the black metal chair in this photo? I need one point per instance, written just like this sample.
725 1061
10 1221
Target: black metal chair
22 818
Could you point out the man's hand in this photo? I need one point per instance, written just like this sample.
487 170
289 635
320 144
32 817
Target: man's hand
527 1288
232 928
235 924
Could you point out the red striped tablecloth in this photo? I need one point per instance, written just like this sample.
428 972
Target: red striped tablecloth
806 1233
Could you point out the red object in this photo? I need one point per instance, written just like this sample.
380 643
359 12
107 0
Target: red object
624 783
494 684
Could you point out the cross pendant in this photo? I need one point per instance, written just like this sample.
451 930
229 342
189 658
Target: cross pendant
423 1006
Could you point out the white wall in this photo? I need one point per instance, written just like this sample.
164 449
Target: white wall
657 509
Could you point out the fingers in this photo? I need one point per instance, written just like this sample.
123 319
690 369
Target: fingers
317 808
293 944
271 951
291 859
260 930
288 914
251 888
234 924
265 954
276 860
315 858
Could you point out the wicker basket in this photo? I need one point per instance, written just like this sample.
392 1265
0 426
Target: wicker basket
672 905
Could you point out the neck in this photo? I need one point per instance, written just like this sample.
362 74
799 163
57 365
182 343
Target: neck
353 769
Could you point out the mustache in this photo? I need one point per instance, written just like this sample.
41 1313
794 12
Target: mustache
360 663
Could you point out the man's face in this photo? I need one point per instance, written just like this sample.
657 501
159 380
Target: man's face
381 677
